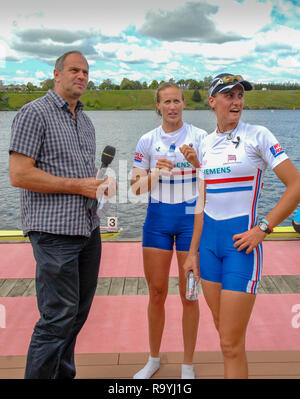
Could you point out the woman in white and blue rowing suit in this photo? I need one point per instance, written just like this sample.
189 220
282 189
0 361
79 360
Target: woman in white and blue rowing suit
234 159
170 217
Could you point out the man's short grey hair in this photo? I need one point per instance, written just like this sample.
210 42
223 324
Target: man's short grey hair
59 64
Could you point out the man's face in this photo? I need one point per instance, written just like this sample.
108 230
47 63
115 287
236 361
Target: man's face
72 81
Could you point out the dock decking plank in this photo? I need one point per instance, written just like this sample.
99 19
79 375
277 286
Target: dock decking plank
138 286
262 364
130 286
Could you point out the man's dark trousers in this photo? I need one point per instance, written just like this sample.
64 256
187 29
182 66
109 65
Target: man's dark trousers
66 279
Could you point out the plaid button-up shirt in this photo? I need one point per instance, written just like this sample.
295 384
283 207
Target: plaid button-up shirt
46 130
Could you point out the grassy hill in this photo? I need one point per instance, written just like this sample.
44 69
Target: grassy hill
144 99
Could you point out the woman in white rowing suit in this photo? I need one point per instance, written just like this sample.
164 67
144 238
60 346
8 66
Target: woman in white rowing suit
234 159
170 217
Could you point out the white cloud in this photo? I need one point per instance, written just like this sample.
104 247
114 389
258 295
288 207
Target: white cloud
3 53
246 18
40 75
270 45
133 52
231 50
281 34
124 66
289 63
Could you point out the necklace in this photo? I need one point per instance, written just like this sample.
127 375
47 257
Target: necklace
229 133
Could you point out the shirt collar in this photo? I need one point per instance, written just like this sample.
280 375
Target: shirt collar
61 102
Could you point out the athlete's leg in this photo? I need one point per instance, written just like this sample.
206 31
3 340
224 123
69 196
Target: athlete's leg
190 316
235 311
157 267
212 295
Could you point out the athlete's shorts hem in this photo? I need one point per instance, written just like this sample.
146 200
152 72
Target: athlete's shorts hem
165 242
237 284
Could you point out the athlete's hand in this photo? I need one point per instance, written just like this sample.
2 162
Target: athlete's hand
190 155
192 263
164 166
249 239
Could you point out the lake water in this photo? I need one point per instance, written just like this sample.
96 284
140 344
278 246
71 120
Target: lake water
122 129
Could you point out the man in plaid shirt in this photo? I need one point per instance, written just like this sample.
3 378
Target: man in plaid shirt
52 160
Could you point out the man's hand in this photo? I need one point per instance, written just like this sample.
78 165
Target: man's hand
108 188
87 187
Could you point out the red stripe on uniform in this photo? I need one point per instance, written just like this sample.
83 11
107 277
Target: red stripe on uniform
229 180
254 198
257 270
185 172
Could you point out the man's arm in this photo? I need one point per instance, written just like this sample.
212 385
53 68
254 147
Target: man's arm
24 174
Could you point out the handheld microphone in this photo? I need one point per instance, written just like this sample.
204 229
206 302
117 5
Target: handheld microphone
107 157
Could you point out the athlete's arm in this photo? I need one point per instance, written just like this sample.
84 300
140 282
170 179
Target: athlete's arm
142 181
192 260
290 177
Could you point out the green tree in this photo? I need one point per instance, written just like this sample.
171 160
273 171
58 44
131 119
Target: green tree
30 87
193 84
91 85
106 85
3 102
207 80
47 84
196 97
153 85
127 84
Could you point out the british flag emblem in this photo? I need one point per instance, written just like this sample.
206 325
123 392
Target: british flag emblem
231 158
138 157
276 150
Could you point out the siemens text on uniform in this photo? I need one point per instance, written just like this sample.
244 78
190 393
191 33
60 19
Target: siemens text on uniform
171 389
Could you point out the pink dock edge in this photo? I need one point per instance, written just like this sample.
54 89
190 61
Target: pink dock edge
124 259
118 324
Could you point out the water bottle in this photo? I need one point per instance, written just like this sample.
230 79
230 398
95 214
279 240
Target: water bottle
191 286
170 155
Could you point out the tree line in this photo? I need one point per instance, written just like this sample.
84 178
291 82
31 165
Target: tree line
188 84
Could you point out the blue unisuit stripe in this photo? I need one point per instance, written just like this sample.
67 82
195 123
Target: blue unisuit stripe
182 181
228 190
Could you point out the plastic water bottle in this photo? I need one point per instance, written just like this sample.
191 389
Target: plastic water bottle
191 286
170 155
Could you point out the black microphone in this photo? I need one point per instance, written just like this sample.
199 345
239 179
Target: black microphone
107 157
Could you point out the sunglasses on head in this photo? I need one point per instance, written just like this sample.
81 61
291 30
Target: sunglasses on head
227 79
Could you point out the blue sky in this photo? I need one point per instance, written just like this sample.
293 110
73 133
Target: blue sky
146 40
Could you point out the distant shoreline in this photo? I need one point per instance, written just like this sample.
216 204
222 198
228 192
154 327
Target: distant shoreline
127 100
